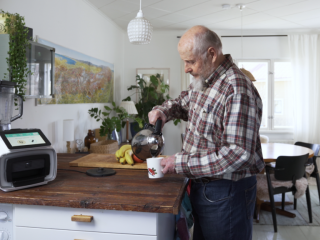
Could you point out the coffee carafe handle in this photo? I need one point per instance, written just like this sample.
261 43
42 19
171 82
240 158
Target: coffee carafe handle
20 100
158 127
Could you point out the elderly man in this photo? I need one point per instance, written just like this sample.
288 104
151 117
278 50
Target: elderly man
221 151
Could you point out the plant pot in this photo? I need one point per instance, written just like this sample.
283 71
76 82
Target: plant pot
134 128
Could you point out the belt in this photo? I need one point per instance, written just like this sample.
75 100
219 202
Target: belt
205 179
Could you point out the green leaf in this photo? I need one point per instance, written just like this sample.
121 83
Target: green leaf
176 121
127 99
154 81
130 88
107 108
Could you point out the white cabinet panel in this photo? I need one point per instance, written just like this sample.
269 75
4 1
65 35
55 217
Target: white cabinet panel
23 233
103 220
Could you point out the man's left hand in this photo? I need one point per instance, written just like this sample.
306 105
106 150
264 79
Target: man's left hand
168 164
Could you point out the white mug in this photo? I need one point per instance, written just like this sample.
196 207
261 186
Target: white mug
154 167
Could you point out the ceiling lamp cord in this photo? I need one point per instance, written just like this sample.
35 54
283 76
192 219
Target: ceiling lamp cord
139 29
241 34
244 71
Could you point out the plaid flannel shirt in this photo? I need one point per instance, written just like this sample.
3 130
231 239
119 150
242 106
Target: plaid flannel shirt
222 134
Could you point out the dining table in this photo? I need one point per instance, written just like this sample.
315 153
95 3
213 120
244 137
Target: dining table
270 152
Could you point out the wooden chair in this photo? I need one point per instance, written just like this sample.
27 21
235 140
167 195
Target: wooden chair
287 169
315 174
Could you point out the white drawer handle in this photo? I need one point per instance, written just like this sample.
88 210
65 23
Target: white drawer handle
81 218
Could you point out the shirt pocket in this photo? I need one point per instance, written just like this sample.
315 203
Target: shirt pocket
209 125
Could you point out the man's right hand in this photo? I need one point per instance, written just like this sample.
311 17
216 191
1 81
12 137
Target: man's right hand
154 115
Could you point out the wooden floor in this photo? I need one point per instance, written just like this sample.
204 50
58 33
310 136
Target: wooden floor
266 232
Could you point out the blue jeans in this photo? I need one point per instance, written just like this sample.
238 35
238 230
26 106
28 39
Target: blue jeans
223 209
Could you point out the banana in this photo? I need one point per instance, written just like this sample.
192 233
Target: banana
128 156
122 160
123 149
118 155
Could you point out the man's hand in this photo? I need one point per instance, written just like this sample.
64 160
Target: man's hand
154 115
168 164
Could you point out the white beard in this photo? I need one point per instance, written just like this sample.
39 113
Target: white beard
198 84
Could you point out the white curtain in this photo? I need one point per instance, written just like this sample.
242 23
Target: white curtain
305 57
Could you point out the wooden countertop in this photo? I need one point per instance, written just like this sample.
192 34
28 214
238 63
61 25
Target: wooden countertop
127 190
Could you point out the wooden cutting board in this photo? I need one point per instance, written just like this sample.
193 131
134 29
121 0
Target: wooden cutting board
104 160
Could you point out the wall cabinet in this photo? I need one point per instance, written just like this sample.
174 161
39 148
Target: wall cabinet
41 64
40 58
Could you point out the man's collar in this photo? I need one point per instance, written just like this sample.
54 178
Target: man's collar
221 69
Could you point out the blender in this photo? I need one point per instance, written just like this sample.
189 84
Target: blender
7 96
27 158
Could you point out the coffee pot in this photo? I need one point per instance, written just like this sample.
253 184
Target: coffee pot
149 142
7 96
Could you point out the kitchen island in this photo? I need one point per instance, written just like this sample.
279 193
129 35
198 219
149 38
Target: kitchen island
127 205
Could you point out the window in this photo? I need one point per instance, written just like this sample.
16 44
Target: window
274 84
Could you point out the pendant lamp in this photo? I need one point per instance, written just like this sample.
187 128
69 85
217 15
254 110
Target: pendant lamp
244 71
139 29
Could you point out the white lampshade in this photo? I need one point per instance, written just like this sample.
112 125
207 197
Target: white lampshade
129 107
139 29
68 130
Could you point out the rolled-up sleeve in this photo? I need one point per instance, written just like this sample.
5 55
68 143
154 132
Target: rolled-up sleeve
176 108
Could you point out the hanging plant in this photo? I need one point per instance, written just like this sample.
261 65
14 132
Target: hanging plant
17 60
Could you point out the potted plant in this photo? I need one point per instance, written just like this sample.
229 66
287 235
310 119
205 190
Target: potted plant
109 124
150 95
14 25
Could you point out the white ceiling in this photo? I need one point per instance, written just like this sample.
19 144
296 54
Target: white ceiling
183 14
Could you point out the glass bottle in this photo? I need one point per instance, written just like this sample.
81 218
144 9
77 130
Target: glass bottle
90 138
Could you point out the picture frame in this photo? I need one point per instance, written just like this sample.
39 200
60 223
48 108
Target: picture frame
84 79
145 73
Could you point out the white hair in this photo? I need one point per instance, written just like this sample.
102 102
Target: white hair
205 39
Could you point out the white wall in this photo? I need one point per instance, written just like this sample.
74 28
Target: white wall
256 47
162 52
77 25
260 48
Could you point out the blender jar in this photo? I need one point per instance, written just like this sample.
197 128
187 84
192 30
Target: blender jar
7 96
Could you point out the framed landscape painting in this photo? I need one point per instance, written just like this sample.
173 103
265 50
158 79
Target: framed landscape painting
79 78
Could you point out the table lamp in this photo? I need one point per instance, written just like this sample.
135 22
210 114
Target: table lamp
131 109
68 132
